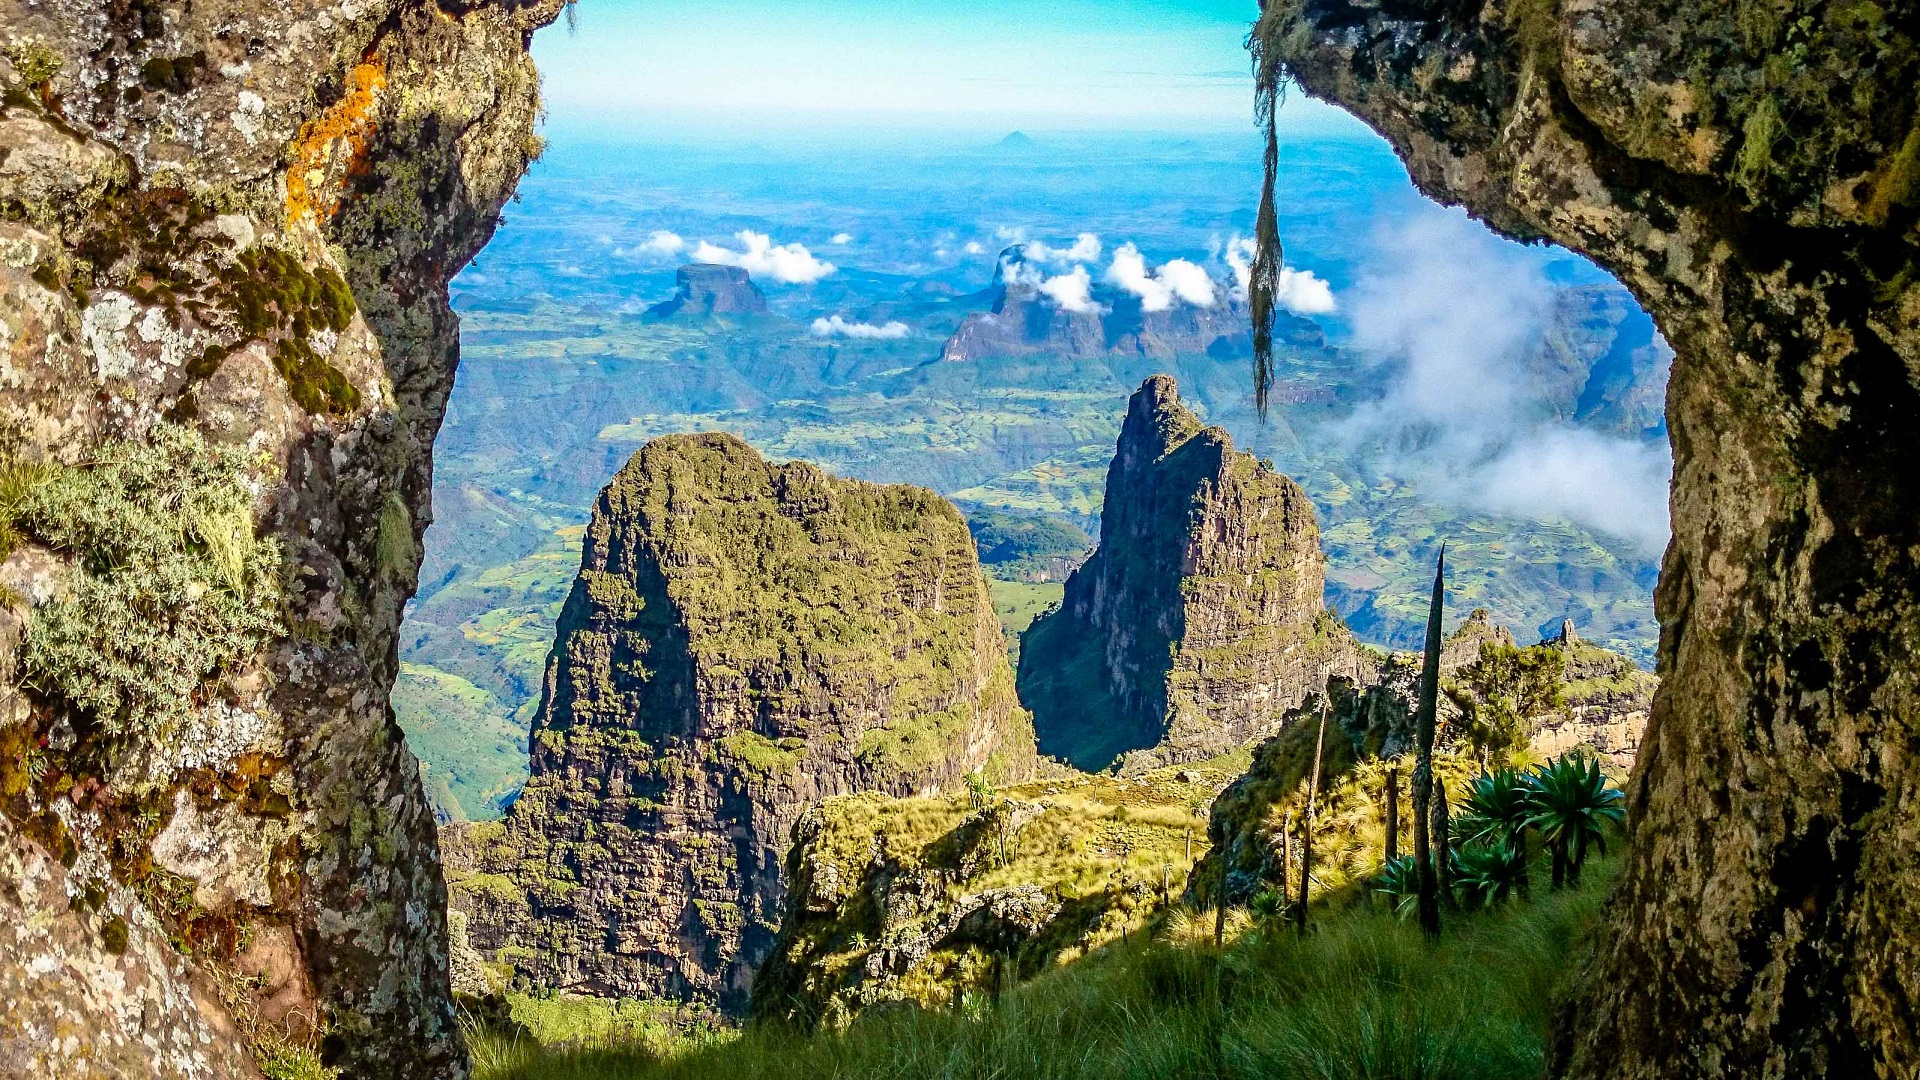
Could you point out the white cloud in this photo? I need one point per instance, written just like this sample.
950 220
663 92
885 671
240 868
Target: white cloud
1303 293
663 242
1456 313
974 247
1158 290
838 326
1612 484
1086 248
841 239
1300 291
788 263
1073 291
1014 235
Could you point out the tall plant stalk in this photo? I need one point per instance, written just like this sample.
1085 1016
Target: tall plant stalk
1423 765
1393 813
1443 848
1306 836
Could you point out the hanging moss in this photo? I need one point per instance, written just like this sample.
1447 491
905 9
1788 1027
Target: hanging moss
1263 285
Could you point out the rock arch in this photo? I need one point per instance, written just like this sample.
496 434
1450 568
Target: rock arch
1752 172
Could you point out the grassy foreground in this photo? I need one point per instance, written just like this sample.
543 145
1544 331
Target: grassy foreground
1363 995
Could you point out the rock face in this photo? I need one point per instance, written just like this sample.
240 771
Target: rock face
1748 172
1199 621
706 289
225 235
1025 321
744 640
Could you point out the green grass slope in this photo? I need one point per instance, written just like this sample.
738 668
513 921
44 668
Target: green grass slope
1362 996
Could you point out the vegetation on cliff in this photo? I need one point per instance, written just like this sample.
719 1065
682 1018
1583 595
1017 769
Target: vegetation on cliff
1199 619
170 583
744 639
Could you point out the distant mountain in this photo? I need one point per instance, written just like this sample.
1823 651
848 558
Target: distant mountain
712 289
1017 140
1024 320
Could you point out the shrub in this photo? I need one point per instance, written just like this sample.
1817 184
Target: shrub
172 584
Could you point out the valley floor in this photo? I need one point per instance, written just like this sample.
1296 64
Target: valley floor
1360 995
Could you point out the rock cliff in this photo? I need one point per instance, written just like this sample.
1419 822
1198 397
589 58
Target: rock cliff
225 235
1749 172
744 640
704 289
1198 622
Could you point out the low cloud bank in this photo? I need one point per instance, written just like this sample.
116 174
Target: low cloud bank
1159 288
1456 313
790 264
838 326
1085 249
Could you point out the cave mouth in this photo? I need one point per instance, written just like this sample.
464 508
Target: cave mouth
1510 397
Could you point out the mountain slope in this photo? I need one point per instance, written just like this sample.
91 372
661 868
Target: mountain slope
744 639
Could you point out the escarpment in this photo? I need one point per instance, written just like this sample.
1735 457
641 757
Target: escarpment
933 899
744 640
225 236
1199 621
1748 171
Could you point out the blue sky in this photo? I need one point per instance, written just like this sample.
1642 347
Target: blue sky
986 64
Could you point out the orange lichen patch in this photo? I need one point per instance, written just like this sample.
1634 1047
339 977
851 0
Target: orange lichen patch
346 126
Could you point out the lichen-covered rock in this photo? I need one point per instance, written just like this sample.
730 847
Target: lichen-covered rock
92 986
1199 621
1750 172
745 639
226 230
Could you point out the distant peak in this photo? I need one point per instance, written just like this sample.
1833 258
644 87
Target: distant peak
1017 141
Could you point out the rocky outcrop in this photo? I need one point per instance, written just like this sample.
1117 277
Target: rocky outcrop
929 900
1748 171
1199 621
745 639
225 236
707 289
1606 703
1583 699
1023 321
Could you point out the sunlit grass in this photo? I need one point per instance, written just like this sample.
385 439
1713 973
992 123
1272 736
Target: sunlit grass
1361 996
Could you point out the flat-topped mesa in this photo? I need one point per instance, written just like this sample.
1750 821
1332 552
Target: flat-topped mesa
1199 621
744 640
705 289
